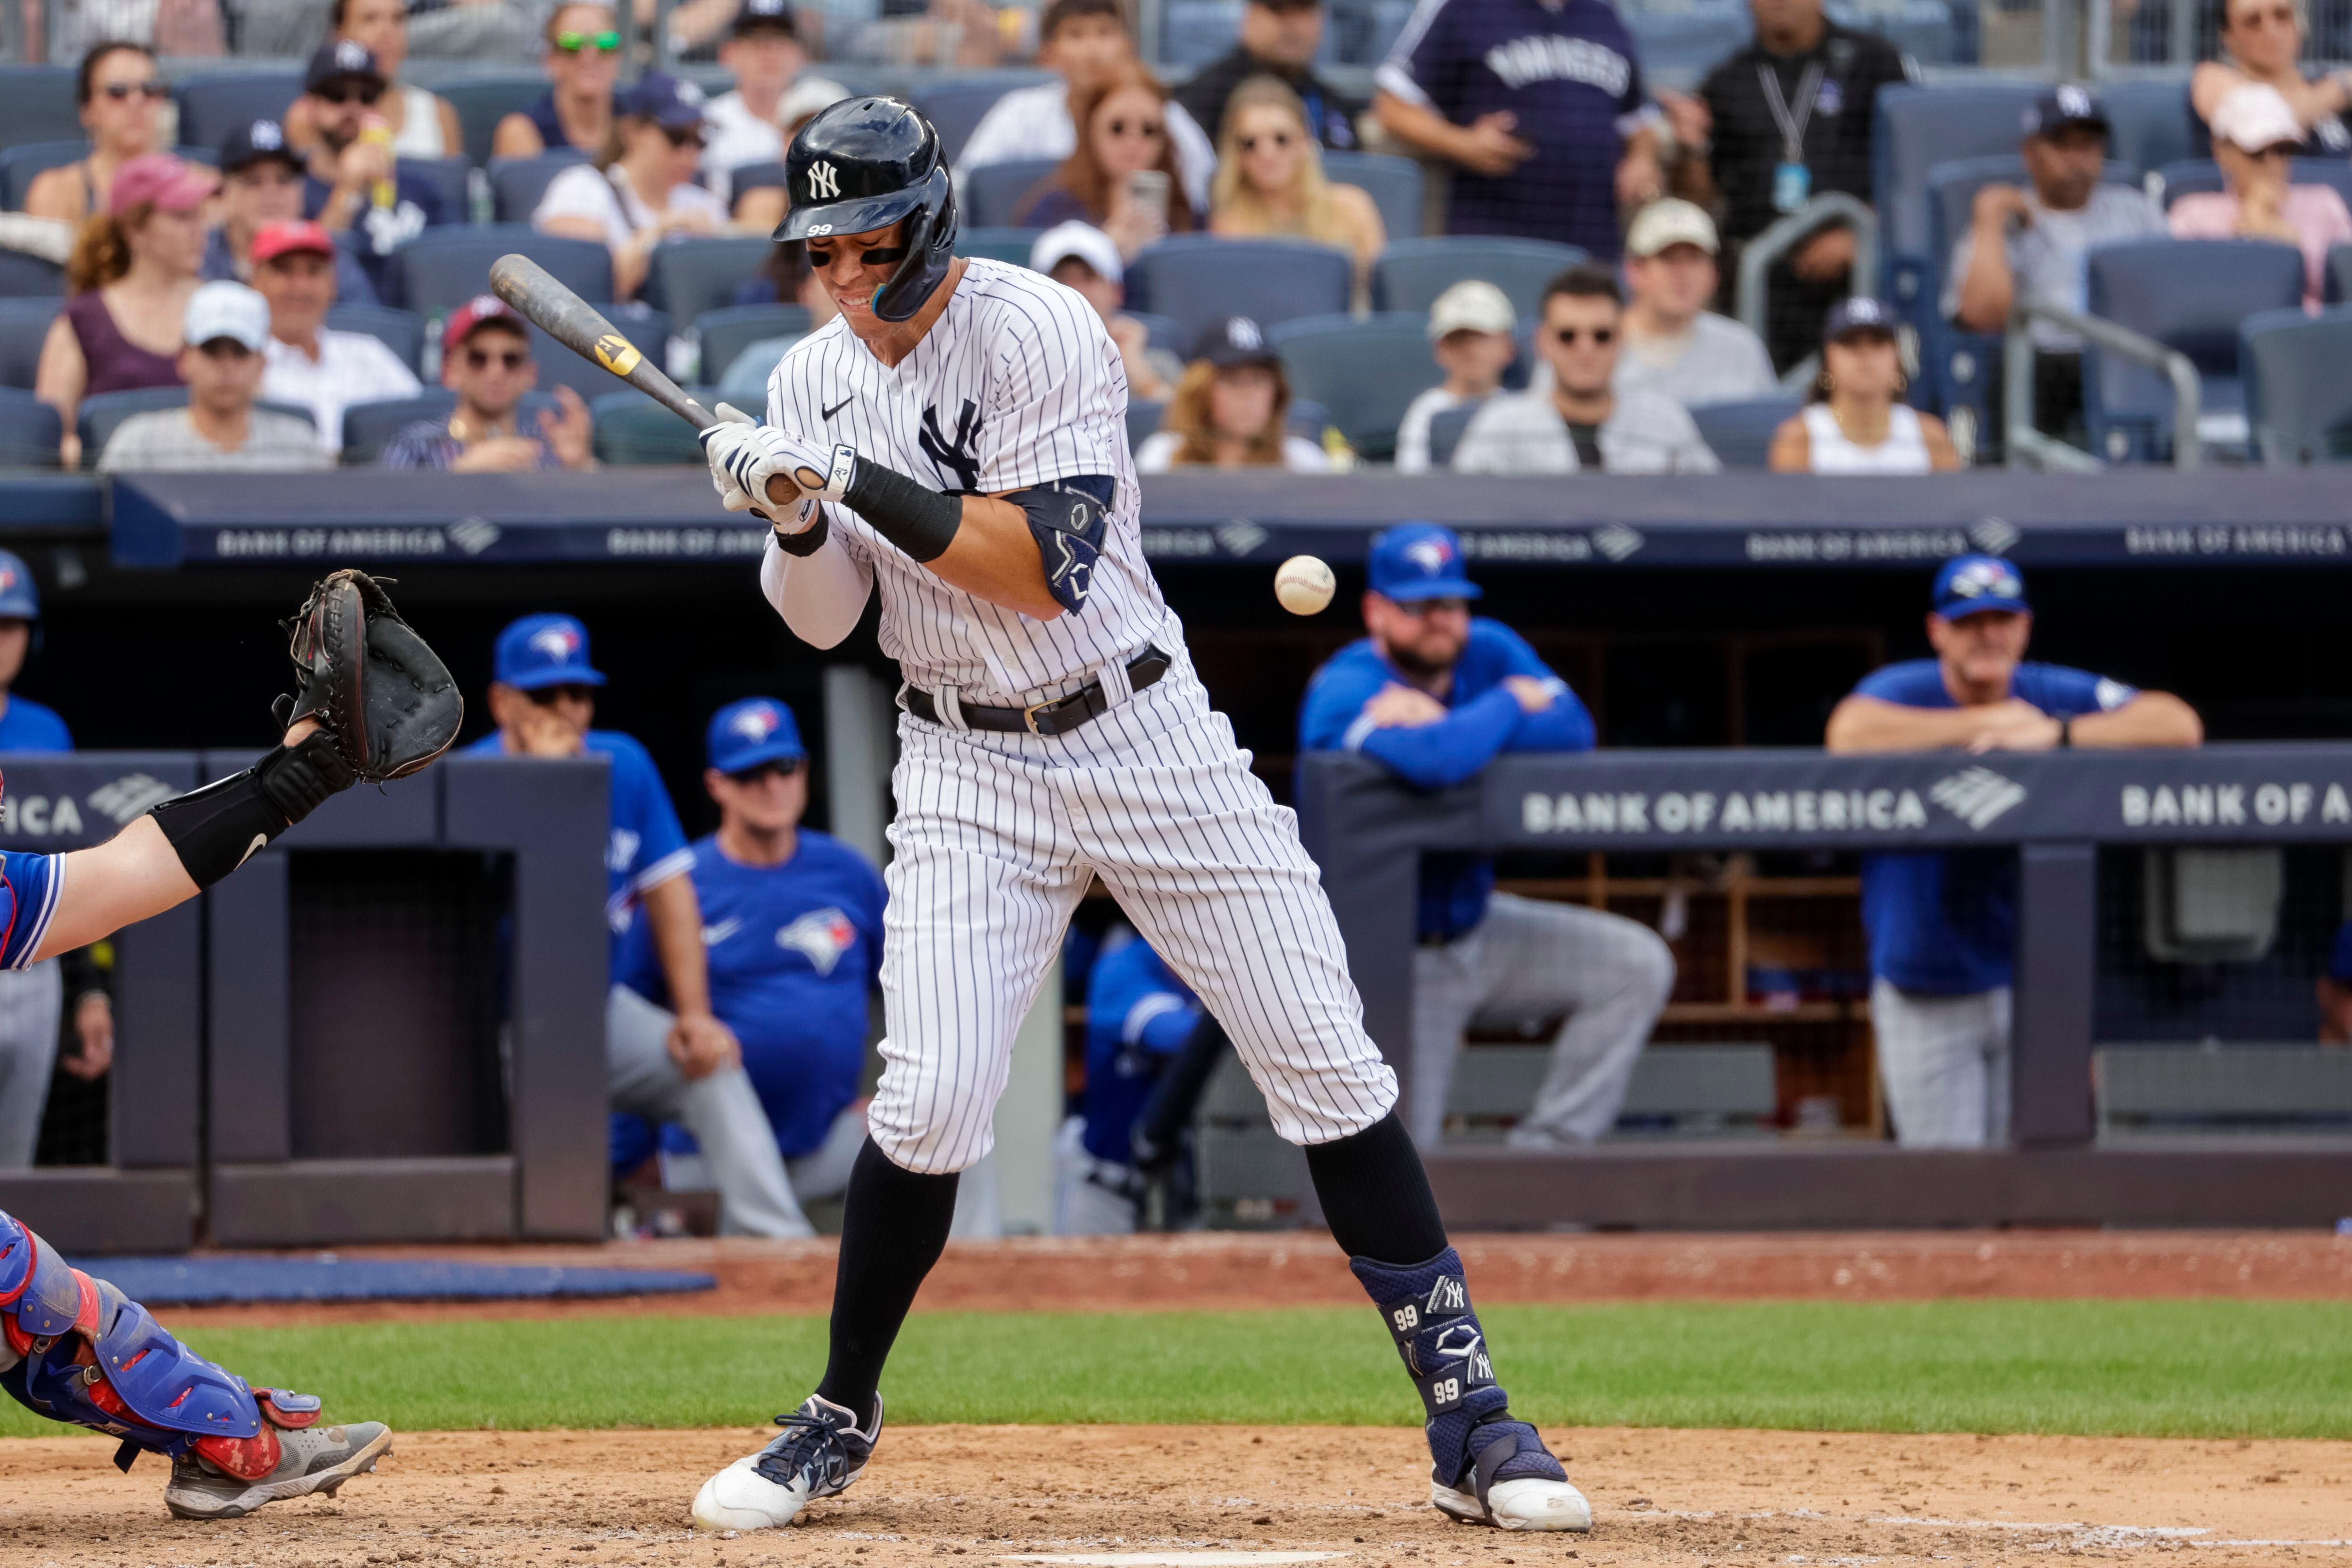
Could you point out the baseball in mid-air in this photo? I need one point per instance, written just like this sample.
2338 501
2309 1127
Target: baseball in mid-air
1303 585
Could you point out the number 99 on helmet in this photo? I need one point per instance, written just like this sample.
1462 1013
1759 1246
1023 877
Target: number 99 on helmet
862 164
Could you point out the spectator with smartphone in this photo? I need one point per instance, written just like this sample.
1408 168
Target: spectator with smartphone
1122 177
583 63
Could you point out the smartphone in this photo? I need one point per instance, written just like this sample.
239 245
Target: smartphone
1148 188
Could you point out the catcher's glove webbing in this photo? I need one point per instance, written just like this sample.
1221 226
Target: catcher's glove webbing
361 671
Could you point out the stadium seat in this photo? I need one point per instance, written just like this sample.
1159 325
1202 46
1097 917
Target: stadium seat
1411 273
1142 422
21 165
29 430
24 327
634 431
2298 399
443 267
754 177
744 379
1198 279
1162 331
37 104
992 193
2147 122
1392 183
1195 32
214 104
1915 127
517 183
24 277
482 101
691 275
1446 428
1364 373
369 427
957 106
2180 179
401 332
2189 295
2337 282
1011 245
1308 418
725 333
451 179
1740 434
559 366
1688 40
1931 32
99 417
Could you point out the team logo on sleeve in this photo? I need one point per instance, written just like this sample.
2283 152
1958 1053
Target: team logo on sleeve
821 936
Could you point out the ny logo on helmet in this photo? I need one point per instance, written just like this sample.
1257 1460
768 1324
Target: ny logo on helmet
824 182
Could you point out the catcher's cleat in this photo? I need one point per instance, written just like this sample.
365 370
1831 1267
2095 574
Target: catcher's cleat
820 1452
1512 1481
224 1477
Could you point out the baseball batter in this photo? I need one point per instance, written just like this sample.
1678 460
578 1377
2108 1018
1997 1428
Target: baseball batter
957 437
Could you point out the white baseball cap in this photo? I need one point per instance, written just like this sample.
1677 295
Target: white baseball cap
2255 117
1670 222
1081 239
1471 306
226 310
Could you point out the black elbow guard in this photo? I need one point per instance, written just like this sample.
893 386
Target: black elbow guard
1067 517
215 828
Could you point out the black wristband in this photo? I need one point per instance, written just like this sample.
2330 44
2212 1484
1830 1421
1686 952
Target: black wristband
916 518
809 540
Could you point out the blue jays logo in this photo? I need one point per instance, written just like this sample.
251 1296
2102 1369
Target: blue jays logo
755 723
821 936
1982 579
1430 554
560 644
7 578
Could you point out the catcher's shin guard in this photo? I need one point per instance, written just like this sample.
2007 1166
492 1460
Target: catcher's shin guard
213 829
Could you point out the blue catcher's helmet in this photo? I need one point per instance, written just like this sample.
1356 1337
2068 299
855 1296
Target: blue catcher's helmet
863 164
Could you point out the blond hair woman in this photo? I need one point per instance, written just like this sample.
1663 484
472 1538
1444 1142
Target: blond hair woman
1270 180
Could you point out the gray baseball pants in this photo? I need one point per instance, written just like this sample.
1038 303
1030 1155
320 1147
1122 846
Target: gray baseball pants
31 1002
1945 1064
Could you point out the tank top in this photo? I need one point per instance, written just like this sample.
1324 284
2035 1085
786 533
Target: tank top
115 363
420 126
550 125
1905 451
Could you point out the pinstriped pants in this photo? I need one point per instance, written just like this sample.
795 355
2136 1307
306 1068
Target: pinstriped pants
995 840
31 1003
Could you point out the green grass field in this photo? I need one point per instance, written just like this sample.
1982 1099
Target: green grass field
2151 1368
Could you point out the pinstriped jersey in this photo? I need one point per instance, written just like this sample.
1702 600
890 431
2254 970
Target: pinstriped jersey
1015 384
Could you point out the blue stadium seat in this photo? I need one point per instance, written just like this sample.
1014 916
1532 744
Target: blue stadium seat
1195 32
29 430
369 427
689 276
482 101
1392 183
1197 279
1307 419
744 379
1740 434
958 105
2336 287
1162 331
725 333
993 192
1411 273
37 104
2204 174
2189 295
1142 421
559 366
1364 373
443 267
452 181
2298 399
24 277
214 104
2147 122
1915 127
1013 245
24 327
752 177
21 165
1446 428
634 431
517 183
1688 40
1930 31
401 332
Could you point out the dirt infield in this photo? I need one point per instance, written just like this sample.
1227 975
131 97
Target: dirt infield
990 1493
1223 1270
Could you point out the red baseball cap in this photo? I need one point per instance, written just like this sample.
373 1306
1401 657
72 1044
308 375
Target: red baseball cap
170 182
272 240
480 310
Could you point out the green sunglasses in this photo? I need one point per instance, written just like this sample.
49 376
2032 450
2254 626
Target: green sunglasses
572 43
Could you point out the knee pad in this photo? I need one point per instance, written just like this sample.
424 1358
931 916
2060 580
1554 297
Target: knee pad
1426 1306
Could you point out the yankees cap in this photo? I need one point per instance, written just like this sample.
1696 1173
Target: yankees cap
2063 105
1415 561
544 650
1859 314
758 730
342 57
765 15
1972 584
1236 341
251 143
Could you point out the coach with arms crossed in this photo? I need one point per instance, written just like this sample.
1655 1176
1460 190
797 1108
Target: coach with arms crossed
1943 924
1434 694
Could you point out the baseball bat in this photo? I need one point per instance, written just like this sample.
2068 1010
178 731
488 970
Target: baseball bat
568 320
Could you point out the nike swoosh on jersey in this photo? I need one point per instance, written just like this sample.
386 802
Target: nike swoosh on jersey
829 412
713 935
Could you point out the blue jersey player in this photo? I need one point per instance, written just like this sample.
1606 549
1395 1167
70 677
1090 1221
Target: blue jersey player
1942 924
791 923
675 1065
1434 694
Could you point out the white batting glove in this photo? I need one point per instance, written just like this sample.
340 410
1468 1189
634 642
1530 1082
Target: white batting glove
744 456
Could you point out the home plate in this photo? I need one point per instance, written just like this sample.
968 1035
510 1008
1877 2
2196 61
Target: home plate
1170 1559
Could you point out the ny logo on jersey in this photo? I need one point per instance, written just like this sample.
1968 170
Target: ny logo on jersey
824 182
821 936
956 454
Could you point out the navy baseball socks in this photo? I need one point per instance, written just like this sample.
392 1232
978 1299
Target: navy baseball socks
77 1349
1487 1468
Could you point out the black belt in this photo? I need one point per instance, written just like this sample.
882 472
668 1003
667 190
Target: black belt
1059 717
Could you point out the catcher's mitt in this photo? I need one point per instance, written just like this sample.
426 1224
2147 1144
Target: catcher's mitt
365 674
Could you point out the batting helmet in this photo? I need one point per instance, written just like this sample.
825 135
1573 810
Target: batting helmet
863 164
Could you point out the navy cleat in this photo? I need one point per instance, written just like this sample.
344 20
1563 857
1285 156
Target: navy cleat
820 1452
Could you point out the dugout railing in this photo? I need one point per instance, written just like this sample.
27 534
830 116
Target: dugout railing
2059 813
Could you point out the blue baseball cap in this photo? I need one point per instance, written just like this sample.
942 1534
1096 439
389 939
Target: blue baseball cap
1416 561
540 651
755 730
672 102
1972 584
19 600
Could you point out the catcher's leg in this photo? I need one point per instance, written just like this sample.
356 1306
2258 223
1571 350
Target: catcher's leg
77 1349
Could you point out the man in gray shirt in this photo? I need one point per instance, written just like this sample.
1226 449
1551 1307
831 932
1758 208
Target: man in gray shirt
220 431
1579 420
2029 245
1673 344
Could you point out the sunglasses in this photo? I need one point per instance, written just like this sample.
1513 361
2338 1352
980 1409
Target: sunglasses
1149 129
1601 336
509 358
761 774
608 43
152 91
683 136
351 92
549 696
1279 140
